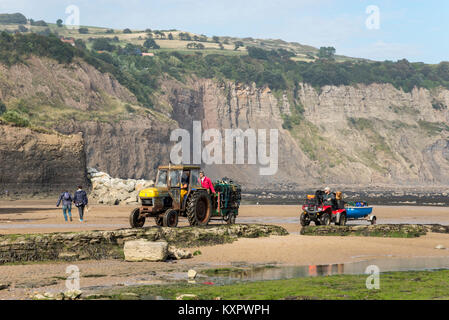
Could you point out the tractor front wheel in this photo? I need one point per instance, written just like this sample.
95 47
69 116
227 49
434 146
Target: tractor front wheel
170 218
135 220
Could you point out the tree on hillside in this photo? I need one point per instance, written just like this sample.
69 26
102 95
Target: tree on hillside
39 23
79 43
237 45
285 54
59 23
185 36
194 45
151 44
203 38
221 46
257 53
127 30
216 39
159 34
327 53
83 30
102 44
443 70
170 36
2 108
110 31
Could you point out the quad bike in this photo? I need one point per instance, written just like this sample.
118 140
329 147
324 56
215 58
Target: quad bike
164 204
320 212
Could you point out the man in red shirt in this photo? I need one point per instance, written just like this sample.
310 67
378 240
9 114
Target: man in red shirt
206 183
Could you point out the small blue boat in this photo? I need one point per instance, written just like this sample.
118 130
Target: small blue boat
360 211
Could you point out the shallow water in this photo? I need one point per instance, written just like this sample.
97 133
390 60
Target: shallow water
291 272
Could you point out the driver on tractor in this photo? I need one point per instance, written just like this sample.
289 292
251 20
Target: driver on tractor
184 184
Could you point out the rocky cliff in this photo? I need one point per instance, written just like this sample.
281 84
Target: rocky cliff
361 135
365 135
35 162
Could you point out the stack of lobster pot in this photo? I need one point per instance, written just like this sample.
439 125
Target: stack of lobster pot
230 193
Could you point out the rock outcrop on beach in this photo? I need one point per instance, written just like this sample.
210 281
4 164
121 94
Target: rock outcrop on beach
39 162
109 244
381 230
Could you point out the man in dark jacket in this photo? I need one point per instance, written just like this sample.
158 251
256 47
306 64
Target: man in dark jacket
80 200
66 199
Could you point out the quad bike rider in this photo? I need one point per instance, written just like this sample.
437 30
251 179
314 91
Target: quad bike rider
323 208
178 192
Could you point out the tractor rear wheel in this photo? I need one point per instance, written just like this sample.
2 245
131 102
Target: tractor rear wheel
198 208
159 221
170 218
135 220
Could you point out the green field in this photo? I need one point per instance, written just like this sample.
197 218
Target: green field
422 285
137 37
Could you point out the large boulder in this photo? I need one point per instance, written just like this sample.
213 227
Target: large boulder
144 250
114 191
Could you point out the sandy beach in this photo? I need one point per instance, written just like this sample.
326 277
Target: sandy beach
294 249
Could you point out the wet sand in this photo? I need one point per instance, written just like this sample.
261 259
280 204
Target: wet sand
294 249
31 216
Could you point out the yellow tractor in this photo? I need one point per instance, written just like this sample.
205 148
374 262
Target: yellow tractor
166 201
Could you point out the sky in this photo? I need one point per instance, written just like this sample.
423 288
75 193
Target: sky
416 30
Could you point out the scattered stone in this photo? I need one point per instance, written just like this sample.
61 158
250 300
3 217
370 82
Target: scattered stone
4 286
130 295
191 274
187 296
72 294
440 247
67 255
144 250
178 254
49 295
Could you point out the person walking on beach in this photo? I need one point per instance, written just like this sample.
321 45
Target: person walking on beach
80 200
66 199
